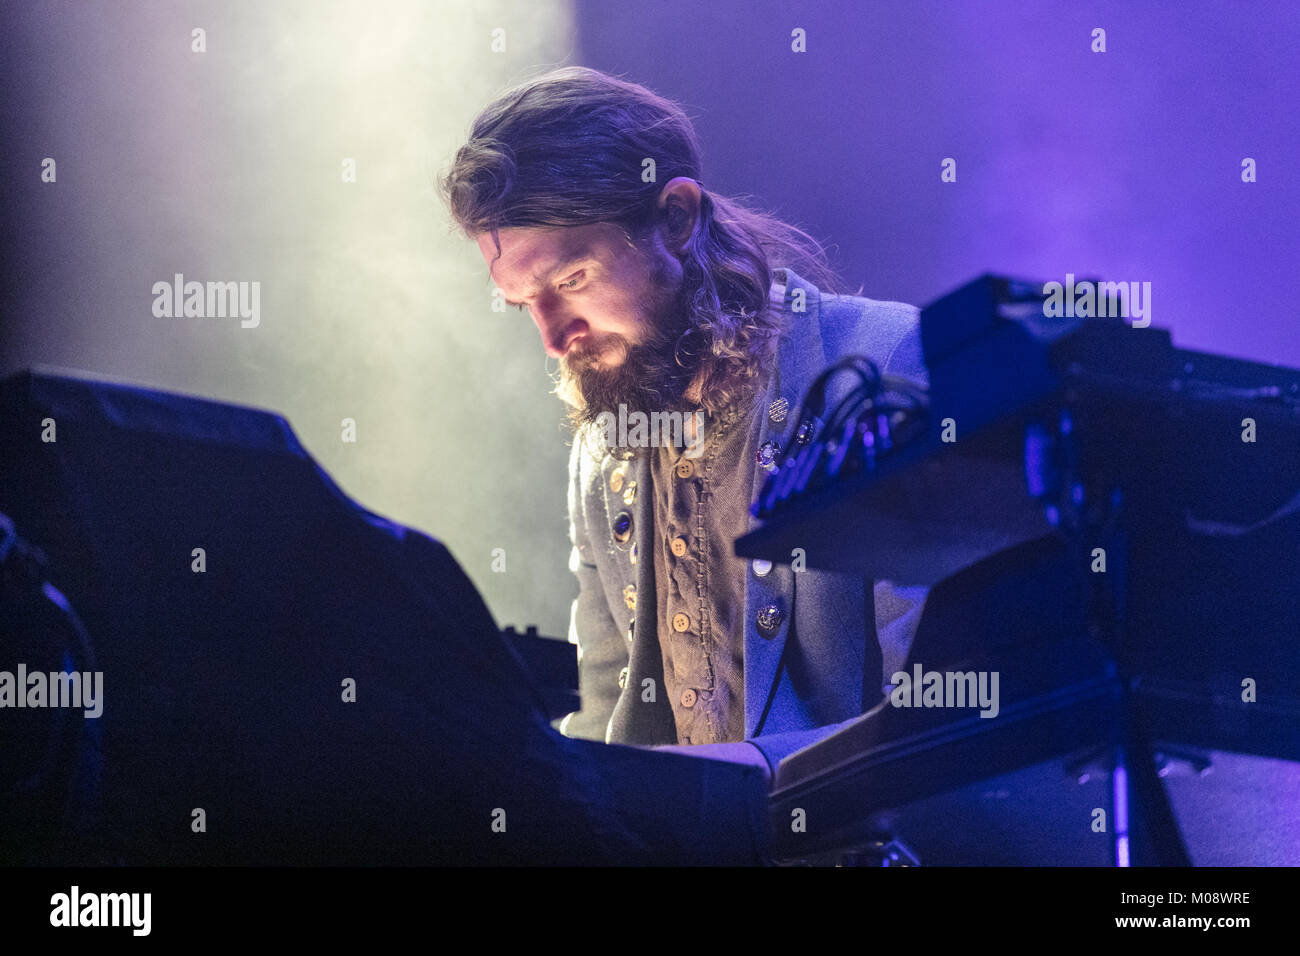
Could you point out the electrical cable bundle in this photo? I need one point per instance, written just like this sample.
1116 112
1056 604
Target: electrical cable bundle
879 413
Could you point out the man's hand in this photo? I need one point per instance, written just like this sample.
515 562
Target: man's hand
743 753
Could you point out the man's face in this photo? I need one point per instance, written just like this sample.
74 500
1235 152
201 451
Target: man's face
611 312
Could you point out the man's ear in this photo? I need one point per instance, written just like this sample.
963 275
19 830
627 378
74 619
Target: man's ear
679 205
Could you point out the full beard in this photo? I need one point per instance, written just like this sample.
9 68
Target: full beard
653 375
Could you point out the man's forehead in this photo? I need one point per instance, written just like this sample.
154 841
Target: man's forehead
528 253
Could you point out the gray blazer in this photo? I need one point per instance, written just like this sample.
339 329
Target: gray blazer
824 665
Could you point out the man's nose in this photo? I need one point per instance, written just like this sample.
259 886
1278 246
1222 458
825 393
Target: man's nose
558 331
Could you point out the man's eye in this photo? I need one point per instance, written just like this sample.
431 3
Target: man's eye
567 285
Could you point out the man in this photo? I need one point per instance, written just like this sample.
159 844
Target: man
661 298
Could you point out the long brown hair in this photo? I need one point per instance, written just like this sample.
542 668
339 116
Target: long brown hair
576 146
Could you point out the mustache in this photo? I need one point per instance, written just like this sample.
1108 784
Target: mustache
588 351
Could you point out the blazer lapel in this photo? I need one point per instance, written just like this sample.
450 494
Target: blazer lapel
801 357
